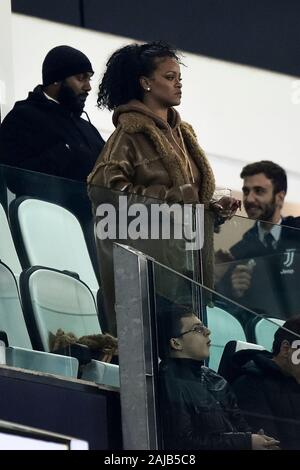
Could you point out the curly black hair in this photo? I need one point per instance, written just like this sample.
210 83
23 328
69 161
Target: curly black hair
120 82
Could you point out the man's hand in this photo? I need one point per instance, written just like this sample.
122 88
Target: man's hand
263 442
241 279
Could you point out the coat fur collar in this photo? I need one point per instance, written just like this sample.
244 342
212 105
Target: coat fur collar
135 122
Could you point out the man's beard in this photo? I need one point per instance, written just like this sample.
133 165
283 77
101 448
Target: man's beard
68 98
267 210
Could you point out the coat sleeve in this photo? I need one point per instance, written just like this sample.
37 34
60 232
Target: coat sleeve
21 146
254 405
236 416
116 170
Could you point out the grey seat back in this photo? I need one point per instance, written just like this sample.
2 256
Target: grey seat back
265 329
224 327
52 236
55 300
11 314
226 367
8 252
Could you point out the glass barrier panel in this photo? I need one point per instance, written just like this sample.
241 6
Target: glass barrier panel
228 377
157 229
80 241
51 302
263 277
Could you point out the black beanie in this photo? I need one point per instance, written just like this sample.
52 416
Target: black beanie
62 62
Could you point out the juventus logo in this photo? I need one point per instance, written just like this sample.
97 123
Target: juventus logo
289 258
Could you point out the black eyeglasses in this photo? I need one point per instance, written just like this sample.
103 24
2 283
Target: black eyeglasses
196 329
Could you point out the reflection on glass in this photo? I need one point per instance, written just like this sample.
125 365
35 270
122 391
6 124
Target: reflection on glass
50 225
250 391
258 275
247 283
148 225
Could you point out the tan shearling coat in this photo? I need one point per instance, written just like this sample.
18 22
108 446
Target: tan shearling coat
143 156
140 158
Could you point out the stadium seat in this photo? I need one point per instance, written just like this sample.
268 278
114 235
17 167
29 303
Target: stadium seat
56 300
224 327
102 373
11 315
226 367
19 353
42 362
8 252
46 234
265 329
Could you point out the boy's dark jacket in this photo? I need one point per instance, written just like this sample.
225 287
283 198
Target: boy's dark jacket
198 409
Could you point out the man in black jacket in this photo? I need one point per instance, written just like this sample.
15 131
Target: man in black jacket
197 407
265 271
268 386
45 132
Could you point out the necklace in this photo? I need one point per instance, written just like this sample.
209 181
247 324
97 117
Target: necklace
184 152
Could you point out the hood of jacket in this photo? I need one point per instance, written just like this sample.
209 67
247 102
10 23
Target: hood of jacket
38 98
141 115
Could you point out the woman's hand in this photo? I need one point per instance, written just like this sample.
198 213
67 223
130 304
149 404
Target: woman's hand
226 207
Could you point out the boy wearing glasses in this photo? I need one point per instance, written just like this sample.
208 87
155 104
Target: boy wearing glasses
198 409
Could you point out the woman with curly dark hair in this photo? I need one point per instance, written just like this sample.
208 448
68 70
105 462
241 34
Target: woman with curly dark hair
152 152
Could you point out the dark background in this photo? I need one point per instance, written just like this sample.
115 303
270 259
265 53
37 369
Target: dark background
262 33
62 406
